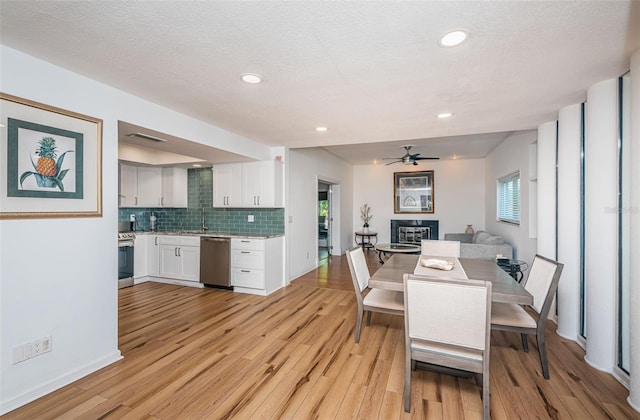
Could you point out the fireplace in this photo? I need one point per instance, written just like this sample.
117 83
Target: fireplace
413 231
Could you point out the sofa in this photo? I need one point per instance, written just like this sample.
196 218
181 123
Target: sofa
481 245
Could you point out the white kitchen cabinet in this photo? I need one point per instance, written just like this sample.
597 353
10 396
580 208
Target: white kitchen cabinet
249 184
262 184
153 255
256 265
142 186
179 257
149 187
227 185
128 194
140 257
174 187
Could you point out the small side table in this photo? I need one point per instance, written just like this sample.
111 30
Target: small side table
366 239
396 249
515 268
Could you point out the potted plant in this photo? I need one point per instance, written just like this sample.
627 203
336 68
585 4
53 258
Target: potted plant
365 215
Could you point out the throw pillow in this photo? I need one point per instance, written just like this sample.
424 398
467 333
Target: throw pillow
474 240
481 238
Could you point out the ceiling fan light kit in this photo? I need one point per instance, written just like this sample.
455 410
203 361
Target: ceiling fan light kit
409 158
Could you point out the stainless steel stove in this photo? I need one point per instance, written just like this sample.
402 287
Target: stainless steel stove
126 240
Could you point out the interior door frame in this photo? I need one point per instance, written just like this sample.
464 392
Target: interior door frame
333 196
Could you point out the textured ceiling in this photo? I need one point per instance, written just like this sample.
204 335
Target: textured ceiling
370 71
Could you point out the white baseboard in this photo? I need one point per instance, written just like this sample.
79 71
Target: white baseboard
57 383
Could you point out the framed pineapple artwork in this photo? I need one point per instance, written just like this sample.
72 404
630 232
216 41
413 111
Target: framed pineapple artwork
53 161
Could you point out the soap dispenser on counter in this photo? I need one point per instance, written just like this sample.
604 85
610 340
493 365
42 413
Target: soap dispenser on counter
152 222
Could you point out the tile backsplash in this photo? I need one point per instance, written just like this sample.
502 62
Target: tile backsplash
200 195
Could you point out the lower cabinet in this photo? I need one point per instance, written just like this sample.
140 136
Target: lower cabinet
153 255
179 257
256 265
140 257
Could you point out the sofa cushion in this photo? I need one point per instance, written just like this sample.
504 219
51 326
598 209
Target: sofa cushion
493 240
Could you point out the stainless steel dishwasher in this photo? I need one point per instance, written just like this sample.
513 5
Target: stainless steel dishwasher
215 262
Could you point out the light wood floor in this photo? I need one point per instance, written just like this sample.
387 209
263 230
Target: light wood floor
208 354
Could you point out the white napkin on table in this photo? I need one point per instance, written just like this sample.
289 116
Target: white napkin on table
437 264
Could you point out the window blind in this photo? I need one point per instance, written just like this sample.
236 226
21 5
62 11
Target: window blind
509 198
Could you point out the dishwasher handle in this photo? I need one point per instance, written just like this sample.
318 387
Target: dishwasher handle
210 239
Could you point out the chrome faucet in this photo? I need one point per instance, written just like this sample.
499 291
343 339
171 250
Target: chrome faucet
204 223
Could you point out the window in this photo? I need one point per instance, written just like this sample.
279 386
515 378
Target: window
509 198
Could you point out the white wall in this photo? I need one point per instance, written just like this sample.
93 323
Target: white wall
510 156
306 166
58 277
459 195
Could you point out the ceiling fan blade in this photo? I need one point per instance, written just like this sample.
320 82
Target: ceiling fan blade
426 158
387 164
398 158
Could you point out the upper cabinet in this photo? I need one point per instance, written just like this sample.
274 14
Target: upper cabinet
149 187
143 186
251 184
227 185
174 187
128 195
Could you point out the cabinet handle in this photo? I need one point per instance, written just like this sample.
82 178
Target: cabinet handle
175 252
162 201
245 242
258 200
179 252
156 240
136 201
245 252
245 271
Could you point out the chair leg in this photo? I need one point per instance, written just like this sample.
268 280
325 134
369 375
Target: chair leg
525 343
358 326
368 317
407 384
486 406
542 350
413 364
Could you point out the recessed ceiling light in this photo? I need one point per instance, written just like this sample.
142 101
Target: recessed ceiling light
453 38
251 78
321 129
197 165
444 115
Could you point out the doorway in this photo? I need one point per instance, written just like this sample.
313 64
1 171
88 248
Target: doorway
324 221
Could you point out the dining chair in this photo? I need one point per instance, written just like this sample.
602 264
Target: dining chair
440 248
447 323
542 283
376 300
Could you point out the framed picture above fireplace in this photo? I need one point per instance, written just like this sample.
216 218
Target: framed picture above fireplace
413 192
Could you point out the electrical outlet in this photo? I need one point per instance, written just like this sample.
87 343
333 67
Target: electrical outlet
250 218
46 345
132 218
28 350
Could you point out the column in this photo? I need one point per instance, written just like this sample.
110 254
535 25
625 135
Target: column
634 292
601 217
547 190
569 139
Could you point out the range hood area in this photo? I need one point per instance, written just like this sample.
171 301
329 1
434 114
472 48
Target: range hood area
143 146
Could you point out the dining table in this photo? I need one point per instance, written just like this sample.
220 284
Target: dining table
504 288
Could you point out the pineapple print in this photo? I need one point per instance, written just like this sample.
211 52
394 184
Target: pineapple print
48 168
47 161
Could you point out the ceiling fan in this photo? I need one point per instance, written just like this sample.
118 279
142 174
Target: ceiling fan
410 158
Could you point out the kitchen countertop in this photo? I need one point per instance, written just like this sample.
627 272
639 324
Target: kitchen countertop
212 234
